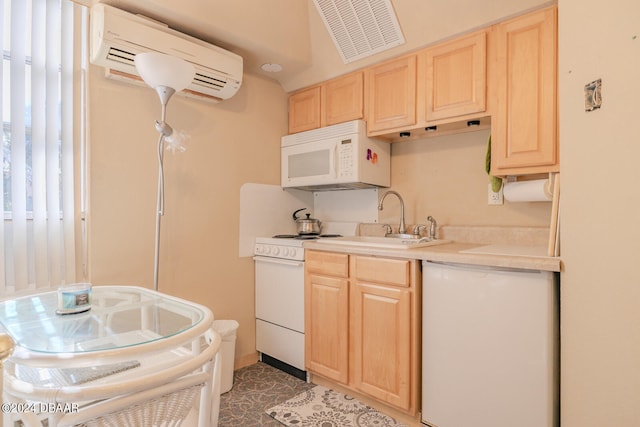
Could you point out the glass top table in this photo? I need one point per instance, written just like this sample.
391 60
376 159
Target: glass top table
121 317
131 342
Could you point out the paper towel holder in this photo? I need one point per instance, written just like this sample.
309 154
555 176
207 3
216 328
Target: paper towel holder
533 188
551 177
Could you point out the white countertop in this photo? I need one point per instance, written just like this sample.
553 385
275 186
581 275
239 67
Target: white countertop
509 250
496 255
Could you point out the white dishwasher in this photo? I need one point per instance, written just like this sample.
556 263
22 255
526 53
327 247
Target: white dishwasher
490 347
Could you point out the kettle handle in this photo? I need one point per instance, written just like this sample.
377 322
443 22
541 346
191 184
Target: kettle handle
295 218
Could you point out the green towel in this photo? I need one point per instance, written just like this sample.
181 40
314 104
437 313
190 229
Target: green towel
496 183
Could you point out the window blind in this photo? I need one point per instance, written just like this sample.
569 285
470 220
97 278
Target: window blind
40 80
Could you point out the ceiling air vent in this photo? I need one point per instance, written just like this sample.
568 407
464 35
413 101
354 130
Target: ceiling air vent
360 28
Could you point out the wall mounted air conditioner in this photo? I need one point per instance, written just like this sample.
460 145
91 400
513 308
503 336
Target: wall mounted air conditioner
117 36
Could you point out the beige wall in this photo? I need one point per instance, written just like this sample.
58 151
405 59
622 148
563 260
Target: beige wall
445 177
233 142
600 300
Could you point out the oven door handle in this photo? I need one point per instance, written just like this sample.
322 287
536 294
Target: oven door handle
279 261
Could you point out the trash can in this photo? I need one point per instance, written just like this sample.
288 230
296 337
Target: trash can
227 330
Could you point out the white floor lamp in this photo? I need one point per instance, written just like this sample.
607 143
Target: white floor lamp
167 75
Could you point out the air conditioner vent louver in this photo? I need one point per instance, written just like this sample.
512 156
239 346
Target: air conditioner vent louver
210 82
360 28
120 56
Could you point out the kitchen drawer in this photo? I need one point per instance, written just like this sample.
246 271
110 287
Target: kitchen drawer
327 263
382 270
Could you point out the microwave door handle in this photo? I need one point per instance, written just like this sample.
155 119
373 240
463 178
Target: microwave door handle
334 164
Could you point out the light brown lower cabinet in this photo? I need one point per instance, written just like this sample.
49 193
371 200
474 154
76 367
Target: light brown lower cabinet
327 326
362 324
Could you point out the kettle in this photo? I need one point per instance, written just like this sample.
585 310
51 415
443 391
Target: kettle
306 225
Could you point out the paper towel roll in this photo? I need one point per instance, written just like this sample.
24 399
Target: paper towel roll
528 191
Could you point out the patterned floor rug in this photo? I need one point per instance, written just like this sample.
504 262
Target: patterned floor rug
322 407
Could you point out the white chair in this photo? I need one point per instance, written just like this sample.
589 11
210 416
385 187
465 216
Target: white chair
157 394
164 406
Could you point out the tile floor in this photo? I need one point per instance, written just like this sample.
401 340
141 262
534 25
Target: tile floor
256 388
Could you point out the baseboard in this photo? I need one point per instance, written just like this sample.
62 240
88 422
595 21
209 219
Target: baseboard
284 367
246 360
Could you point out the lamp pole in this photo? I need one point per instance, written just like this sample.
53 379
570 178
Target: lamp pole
165 93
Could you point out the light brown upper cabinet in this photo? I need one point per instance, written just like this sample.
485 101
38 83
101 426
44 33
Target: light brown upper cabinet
524 123
443 84
304 110
335 101
391 95
456 78
343 99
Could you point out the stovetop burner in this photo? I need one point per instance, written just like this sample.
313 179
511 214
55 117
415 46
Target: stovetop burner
304 236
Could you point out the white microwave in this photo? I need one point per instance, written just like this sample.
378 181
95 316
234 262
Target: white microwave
334 158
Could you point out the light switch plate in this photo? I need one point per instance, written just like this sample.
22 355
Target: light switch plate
593 95
495 197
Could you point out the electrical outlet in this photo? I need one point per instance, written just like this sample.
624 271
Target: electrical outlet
495 198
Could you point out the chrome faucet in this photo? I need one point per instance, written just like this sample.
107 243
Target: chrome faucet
433 226
417 229
401 227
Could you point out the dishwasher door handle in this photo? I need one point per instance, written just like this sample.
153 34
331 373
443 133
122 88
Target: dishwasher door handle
479 267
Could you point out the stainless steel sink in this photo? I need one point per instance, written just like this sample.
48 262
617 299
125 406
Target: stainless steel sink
404 236
402 241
